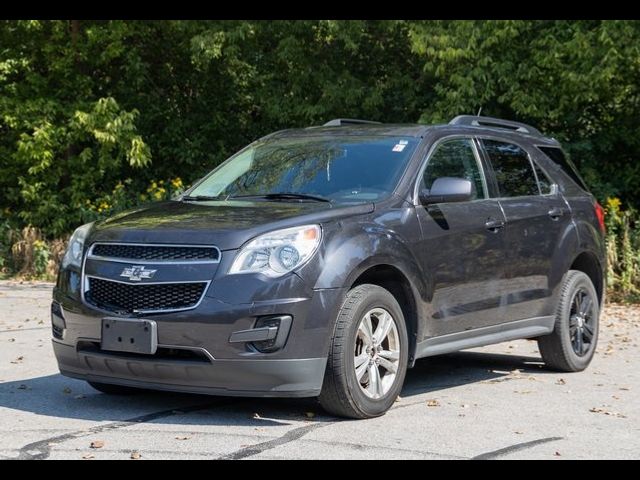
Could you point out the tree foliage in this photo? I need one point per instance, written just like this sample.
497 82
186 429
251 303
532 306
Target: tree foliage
95 111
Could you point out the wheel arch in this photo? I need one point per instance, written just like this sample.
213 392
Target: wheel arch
393 279
588 263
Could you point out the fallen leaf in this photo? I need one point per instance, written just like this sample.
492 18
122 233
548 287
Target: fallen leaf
97 444
557 454
607 412
433 403
11 340
517 432
561 381
88 456
182 438
626 389
135 455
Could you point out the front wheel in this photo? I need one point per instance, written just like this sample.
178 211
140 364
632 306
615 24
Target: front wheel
367 359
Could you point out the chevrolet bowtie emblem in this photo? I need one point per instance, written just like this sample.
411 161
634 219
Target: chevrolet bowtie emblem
137 273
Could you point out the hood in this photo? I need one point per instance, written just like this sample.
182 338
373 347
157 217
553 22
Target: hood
225 224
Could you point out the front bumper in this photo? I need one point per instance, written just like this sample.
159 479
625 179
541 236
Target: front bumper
221 367
252 378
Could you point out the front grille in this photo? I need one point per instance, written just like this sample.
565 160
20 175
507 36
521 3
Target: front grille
125 298
158 253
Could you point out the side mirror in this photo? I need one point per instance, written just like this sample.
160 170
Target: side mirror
447 189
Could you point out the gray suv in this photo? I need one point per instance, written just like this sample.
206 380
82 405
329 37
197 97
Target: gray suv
322 262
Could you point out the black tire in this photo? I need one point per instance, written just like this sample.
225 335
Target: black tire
559 350
341 393
112 389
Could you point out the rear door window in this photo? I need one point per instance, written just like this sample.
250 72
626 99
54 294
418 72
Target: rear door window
512 168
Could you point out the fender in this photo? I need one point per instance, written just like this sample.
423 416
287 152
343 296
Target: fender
367 244
364 245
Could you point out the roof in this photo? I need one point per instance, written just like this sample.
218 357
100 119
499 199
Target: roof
368 129
466 123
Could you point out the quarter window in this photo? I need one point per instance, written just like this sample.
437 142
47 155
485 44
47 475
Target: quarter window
512 168
558 156
455 158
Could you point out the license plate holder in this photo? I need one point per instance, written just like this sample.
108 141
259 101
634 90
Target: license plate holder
134 335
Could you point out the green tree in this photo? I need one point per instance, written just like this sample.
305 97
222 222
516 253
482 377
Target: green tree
577 80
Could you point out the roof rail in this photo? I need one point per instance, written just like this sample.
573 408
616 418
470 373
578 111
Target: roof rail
341 122
495 123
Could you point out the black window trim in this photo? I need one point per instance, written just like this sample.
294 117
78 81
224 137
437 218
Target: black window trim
532 163
477 154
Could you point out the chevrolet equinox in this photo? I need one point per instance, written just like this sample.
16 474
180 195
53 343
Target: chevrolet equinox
322 262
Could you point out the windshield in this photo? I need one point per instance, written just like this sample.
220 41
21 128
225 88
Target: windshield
341 169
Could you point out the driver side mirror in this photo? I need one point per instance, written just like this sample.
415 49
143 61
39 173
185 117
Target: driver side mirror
447 189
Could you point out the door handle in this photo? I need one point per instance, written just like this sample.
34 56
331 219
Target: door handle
556 212
494 226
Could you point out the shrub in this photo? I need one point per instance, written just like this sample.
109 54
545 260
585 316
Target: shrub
623 251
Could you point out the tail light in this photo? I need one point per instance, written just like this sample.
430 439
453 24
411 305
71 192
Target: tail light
600 215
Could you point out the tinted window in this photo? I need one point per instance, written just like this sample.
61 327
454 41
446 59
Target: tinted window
543 180
455 158
512 169
558 156
342 168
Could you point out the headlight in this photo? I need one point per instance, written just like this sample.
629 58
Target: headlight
276 253
73 255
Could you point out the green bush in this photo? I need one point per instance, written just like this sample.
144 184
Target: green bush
623 251
93 113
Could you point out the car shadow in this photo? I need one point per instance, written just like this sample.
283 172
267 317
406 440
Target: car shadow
59 396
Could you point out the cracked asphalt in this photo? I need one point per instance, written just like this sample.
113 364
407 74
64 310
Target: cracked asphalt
487 403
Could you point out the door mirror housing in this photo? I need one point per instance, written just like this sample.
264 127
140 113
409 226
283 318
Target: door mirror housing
447 190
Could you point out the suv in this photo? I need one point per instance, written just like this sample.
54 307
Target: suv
322 262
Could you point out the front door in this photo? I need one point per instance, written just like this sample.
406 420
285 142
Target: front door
462 246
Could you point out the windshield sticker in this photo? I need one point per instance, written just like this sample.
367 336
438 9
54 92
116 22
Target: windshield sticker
398 147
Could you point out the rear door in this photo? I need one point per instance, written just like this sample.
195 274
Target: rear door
462 244
536 218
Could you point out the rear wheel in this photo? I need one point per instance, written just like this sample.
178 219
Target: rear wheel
368 356
572 344
115 389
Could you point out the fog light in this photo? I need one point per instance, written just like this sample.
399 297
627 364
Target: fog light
58 325
282 323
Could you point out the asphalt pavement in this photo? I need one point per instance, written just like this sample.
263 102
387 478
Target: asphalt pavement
489 403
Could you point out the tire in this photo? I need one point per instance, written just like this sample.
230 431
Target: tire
560 349
343 394
111 389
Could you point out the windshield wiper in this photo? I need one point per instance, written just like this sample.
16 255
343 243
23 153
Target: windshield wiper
285 196
199 198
